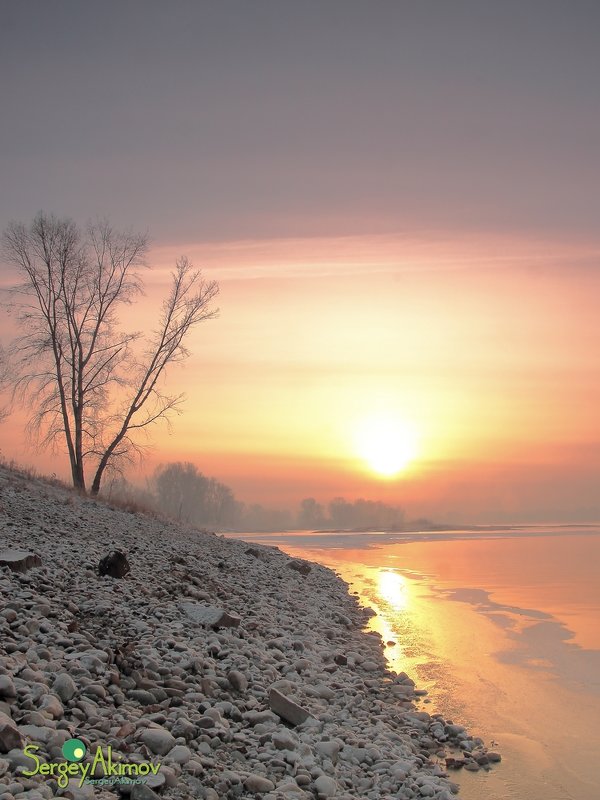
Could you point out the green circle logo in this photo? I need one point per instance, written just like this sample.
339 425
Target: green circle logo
73 750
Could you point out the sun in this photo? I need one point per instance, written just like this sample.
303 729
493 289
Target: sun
388 445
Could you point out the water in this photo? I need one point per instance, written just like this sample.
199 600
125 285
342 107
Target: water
502 627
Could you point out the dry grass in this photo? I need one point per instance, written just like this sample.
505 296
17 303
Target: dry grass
16 474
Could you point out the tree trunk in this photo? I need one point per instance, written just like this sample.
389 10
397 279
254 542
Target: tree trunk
98 476
77 473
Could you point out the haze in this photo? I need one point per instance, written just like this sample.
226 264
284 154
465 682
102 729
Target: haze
399 201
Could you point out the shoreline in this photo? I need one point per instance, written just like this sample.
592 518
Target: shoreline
495 658
127 663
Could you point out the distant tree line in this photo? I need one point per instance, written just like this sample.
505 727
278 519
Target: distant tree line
345 514
182 492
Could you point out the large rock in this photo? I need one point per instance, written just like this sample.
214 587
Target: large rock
325 786
64 687
159 740
19 560
287 709
211 615
303 567
10 738
258 784
36 733
180 754
183 727
7 687
237 680
51 706
284 740
114 564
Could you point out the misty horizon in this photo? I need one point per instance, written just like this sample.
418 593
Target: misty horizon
397 206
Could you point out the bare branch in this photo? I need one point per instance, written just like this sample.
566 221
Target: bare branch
75 368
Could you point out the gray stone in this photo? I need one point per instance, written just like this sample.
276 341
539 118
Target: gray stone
370 666
326 786
183 727
155 781
159 740
258 784
17 757
210 616
303 567
142 696
328 749
180 754
284 740
64 687
260 717
77 792
238 680
142 792
19 560
7 687
287 709
36 733
291 790
10 738
52 706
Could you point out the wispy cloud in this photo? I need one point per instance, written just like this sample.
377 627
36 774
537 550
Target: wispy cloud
289 258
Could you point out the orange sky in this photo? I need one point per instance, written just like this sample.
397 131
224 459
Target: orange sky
400 203
488 349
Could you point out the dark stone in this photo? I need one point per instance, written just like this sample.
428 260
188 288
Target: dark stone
142 696
10 738
114 564
455 763
142 792
303 567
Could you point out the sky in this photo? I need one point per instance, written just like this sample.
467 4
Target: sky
399 201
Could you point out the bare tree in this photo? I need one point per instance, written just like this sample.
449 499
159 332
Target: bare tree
90 384
184 493
4 379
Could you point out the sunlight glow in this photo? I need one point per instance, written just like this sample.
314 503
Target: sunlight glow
393 589
387 445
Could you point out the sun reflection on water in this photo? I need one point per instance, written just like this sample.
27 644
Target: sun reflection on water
393 589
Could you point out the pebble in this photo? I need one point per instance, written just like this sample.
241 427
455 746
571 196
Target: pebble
7 687
258 784
287 708
180 754
245 674
159 740
326 786
64 687
238 680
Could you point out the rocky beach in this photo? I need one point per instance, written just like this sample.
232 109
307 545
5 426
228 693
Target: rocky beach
241 671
